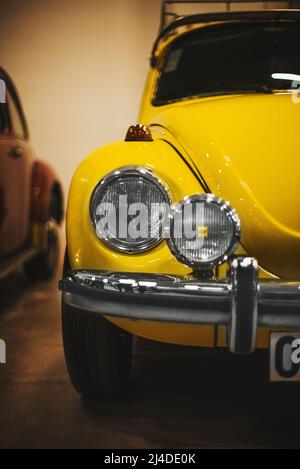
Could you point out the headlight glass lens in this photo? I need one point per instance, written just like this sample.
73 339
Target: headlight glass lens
204 231
128 209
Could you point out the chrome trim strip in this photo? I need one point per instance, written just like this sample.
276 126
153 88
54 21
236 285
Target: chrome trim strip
149 283
169 313
172 311
15 262
207 301
186 300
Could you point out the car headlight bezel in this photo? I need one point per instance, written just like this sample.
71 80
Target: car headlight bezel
226 208
127 171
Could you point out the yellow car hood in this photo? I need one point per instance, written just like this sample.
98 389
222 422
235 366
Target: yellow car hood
247 148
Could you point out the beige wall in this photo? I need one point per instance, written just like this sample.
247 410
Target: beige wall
80 67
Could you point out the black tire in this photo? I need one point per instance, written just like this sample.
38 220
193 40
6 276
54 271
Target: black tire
97 353
44 266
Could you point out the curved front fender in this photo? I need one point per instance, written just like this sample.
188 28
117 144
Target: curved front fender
86 251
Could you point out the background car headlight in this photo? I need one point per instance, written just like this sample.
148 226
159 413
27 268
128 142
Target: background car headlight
118 205
204 231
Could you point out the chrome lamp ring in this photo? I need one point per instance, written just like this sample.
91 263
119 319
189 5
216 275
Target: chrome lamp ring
225 208
127 171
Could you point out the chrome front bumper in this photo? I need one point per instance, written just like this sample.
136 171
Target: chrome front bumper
242 302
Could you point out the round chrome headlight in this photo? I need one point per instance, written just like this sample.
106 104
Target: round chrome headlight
204 231
128 209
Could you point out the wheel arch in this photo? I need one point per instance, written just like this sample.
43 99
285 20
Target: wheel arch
45 184
57 191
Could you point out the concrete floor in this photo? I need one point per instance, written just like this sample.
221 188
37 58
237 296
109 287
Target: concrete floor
180 397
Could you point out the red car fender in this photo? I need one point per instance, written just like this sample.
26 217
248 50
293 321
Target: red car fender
44 184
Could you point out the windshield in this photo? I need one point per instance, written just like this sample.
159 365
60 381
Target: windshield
230 58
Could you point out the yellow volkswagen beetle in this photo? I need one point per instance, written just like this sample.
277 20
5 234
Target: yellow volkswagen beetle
188 231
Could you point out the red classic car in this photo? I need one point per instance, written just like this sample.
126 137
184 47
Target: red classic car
31 200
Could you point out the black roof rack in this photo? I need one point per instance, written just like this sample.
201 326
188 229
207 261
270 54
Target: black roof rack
222 16
166 14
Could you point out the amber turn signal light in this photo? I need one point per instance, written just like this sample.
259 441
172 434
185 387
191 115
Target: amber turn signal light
139 133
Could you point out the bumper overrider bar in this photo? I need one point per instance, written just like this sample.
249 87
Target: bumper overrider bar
242 302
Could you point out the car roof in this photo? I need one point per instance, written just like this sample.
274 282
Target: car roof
187 22
14 92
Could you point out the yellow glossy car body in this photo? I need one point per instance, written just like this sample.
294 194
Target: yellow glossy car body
243 148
